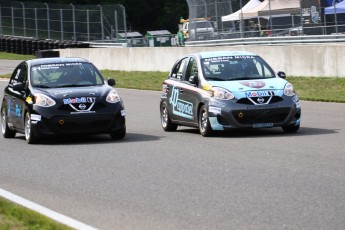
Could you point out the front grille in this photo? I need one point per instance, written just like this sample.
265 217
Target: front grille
83 124
259 100
276 115
68 107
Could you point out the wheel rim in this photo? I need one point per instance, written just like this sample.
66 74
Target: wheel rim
203 120
164 116
3 121
27 127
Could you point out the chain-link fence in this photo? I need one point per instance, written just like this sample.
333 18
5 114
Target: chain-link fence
62 21
226 19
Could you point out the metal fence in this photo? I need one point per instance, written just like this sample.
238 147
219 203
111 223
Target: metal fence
62 21
307 19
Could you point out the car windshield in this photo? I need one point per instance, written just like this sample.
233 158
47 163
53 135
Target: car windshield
229 68
69 74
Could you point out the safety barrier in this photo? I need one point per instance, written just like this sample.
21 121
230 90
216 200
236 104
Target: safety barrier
22 45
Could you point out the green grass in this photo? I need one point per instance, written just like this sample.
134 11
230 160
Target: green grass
12 56
13 216
327 89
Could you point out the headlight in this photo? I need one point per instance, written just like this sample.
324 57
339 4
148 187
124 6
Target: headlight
43 100
113 97
222 94
288 90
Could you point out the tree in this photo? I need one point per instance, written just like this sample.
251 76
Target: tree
143 15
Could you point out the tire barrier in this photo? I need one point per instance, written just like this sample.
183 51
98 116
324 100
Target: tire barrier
29 46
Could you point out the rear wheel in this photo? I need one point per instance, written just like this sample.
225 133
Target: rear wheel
290 128
204 123
29 135
165 119
5 130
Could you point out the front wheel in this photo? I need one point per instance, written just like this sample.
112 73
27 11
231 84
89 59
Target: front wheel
290 128
204 123
119 134
165 119
29 135
5 130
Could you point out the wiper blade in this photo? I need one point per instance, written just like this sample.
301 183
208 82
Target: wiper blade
41 86
215 79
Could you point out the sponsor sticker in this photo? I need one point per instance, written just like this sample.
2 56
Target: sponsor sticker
35 117
180 107
254 84
215 110
259 93
79 100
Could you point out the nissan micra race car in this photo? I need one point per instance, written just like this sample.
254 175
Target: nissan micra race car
224 90
60 96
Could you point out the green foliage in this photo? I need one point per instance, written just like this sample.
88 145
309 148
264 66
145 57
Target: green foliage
144 15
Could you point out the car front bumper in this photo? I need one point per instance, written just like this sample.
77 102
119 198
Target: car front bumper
229 114
46 122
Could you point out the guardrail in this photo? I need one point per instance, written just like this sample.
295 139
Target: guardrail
270 40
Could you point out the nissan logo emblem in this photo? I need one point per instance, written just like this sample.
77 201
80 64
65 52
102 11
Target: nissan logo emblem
260 100
82 106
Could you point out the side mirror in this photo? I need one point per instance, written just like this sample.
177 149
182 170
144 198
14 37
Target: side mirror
111 82
193 80
19 87
281 74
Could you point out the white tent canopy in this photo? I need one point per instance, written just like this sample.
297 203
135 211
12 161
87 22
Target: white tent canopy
237 15
279 8
253 13
338 8
275 8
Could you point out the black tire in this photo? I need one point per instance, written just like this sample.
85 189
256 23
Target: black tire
29 135
204 123
118 135
290 128
5 130
166 123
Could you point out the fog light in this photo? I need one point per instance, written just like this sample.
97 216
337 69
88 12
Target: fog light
61 122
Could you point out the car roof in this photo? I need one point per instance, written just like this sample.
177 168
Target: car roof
40 61
211 54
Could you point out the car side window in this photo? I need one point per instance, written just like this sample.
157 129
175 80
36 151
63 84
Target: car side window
20 75
192 69
177 73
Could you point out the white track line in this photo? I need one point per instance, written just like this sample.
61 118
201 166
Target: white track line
45 211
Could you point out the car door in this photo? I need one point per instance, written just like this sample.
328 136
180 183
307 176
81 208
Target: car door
174 85
189 97
16 91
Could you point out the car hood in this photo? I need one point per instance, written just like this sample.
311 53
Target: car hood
61 93
255 87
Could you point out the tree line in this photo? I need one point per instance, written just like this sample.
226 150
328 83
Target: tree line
146 15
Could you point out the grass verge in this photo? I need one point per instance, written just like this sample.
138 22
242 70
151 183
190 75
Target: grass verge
13 216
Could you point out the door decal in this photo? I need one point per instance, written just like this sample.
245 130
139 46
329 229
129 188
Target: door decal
180 107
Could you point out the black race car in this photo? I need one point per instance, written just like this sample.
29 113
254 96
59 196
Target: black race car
60 96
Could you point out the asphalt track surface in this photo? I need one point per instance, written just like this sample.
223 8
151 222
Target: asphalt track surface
260 179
